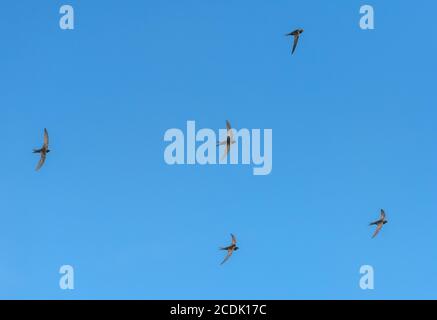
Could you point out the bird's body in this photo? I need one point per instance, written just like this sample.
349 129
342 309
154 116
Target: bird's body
43 150
296 34
229 139
230 249
379 223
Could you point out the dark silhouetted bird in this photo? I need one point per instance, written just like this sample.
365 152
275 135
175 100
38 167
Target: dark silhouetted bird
230 249
296 33
229 139
379 223
43 151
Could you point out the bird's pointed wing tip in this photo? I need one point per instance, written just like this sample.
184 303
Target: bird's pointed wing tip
234 239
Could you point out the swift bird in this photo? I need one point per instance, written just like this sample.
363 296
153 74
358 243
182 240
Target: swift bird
43 150
233 247
229 139
379 223
296 33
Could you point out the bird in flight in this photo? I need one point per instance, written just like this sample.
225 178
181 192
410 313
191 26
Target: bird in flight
229 139
43 150
296 33
379 223
230 249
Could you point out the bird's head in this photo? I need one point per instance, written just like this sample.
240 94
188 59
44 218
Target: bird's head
300 30
385 221
48 150
236 248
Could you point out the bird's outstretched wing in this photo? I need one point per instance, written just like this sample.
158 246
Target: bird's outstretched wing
382 214
41 161
228 125
229 130
46 138
234 240
296 40
379 226
227 256
228 146
221 143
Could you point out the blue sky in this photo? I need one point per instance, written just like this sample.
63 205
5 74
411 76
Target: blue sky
354 130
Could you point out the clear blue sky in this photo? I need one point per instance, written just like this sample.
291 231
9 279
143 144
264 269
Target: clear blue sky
353 115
